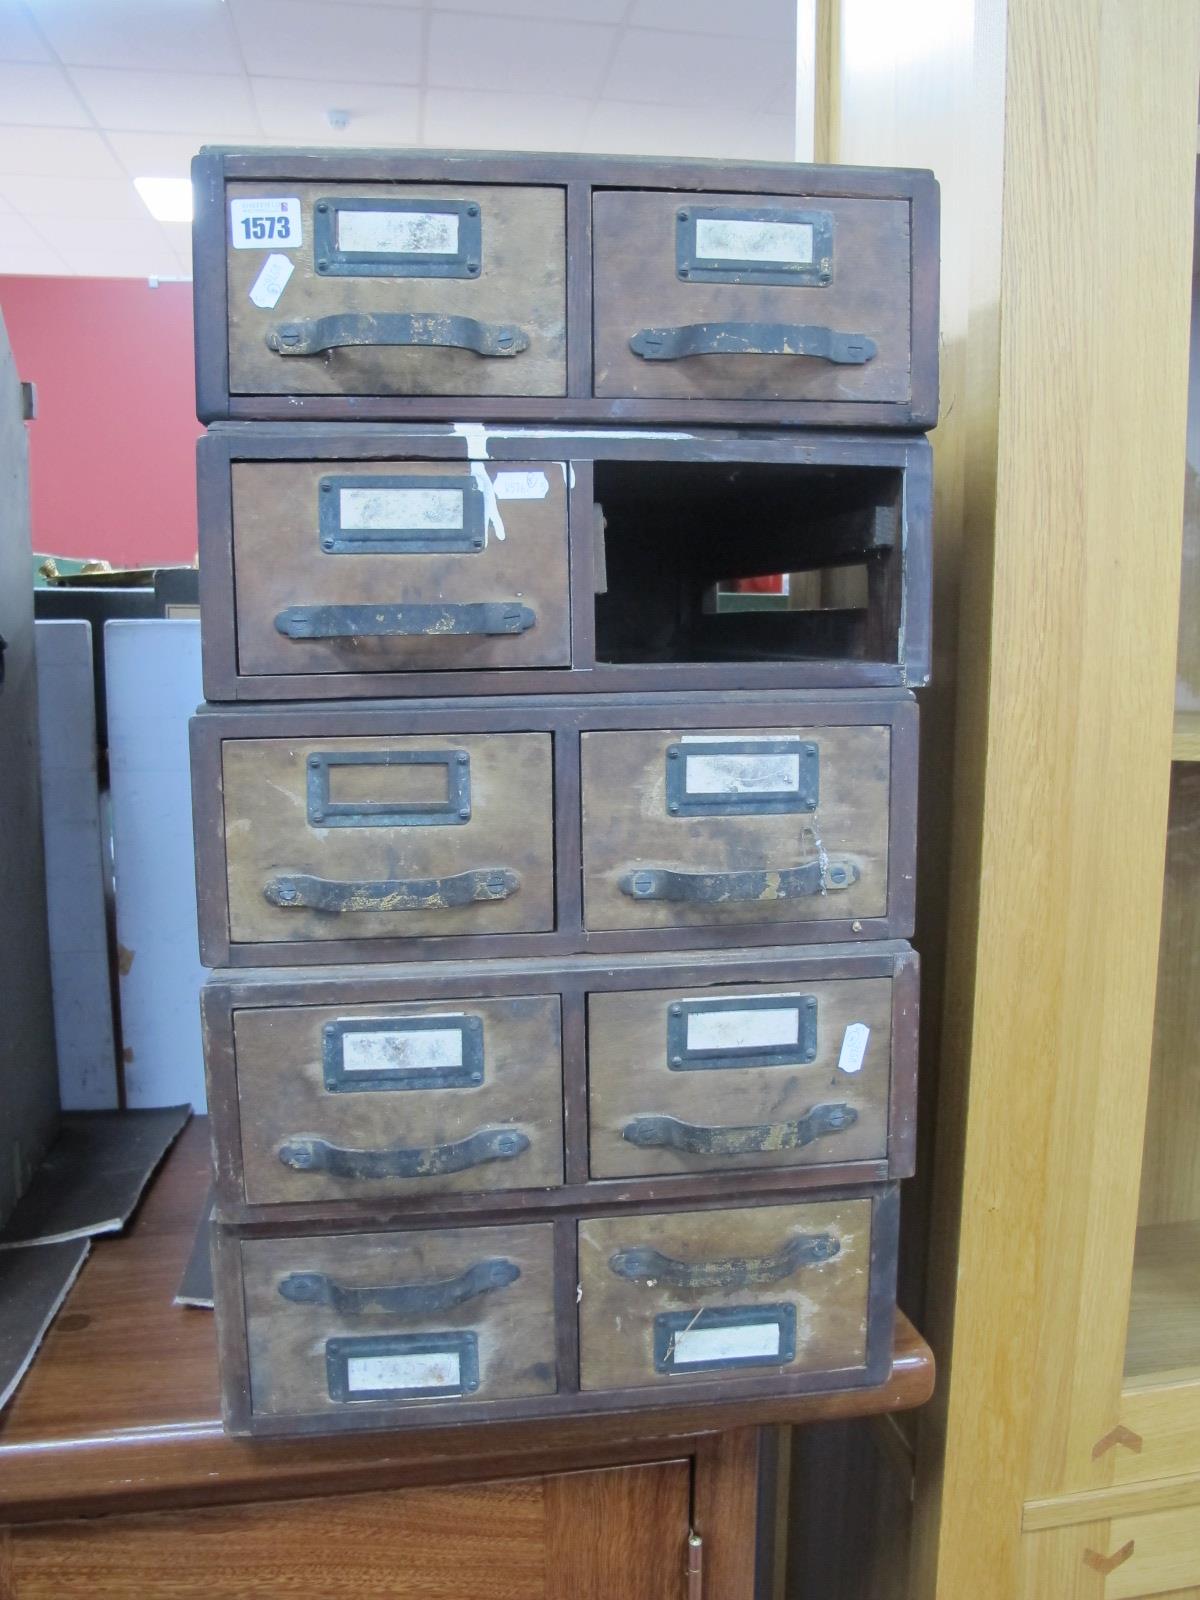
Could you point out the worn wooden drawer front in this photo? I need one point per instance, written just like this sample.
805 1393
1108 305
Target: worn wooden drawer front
356 1101
694 1080
726 827
399 289
368 566
754 1292
373 837
688 286
383 1319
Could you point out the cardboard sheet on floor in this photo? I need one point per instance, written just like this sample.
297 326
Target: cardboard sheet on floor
93 1175
196 1285
33 1284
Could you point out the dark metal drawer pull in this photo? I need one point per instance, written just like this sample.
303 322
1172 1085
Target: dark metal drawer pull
644 1265
315 335
717 888
488 617
300 891
429 1161
752 339
651 1133
399 1299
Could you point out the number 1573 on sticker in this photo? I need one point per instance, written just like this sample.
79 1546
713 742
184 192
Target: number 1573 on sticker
265 224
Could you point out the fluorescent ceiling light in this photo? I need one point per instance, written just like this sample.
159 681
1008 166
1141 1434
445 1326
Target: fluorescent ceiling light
166 199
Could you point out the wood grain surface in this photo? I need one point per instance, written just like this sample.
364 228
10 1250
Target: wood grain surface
629 1076
282 1096
522 280
279 563
637 287
510 828
626 825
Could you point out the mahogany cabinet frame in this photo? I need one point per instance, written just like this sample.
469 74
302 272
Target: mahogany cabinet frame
564 717
569 1401
577 175
906 600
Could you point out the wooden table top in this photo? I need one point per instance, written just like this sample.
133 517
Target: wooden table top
121 1408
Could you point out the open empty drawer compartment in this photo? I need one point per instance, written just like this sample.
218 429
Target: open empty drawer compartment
749 562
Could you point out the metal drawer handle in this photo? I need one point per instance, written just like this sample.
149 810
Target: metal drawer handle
718 888
299 890
652 1133
644 1265
752 339
399 1299
488 617
312 336
430 1161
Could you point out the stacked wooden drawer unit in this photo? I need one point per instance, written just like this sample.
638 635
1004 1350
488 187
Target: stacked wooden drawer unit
562 1054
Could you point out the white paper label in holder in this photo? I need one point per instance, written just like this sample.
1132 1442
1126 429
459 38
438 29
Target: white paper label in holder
401 1050
434 1369
271 222
749 1341
398 233
757 1028
854 1047
363 509
271 282
733 239
743 774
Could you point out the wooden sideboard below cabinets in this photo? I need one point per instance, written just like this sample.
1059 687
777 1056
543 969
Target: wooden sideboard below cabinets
117 1479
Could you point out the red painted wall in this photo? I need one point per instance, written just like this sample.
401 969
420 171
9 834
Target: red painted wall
113 449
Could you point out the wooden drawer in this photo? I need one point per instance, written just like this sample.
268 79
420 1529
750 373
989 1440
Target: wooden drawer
751 297
776 1290
748 1076
360 1322
389 566
351 1102
387 836
720 827
396 289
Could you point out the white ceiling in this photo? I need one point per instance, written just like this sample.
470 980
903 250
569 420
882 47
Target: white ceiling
94 93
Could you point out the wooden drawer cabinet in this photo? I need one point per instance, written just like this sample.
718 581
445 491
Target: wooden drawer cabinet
407 1099
395 284
769 297
403 1326
341 563
394 566
376 832
453 1088
750 1076
397 288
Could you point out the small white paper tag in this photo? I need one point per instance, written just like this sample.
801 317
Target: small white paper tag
265 224
271 281
521 486
854 1047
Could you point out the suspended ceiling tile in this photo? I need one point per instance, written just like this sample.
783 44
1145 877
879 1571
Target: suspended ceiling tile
694 70
521 55
183 35
316 39
19 39
686 131
580 10
296 109
480 119
168 102
39 96
71 196
160 155
757 19
54 152
105 235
